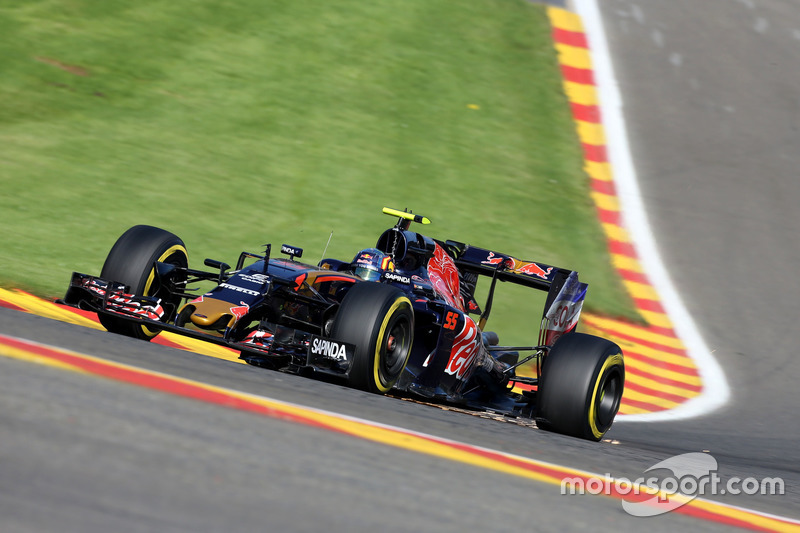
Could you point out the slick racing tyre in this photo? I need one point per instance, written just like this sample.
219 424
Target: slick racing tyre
132 261
379 321
581 386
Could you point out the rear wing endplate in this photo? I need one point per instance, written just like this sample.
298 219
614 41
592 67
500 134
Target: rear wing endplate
562 313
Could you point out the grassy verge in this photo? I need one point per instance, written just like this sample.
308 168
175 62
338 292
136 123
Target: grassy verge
233 124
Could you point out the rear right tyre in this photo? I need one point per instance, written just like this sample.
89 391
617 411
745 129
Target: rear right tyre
581 386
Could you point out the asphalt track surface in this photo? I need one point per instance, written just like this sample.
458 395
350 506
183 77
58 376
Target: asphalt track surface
713 115
711 106
83 453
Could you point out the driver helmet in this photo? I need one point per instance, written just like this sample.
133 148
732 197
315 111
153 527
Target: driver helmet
369 264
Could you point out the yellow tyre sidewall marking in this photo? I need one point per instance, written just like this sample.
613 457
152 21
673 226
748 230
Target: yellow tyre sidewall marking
611 361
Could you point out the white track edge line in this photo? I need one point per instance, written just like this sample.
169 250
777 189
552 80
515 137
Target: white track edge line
715 392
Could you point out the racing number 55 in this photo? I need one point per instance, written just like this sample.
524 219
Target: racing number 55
450 320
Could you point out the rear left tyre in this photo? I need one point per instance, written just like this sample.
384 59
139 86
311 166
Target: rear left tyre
379 320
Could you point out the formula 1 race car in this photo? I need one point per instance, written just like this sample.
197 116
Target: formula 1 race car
399 318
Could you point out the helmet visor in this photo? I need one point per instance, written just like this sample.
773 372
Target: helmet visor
367 274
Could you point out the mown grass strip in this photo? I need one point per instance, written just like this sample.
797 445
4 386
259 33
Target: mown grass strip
236 124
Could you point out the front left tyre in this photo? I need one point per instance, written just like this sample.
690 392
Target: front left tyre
132 261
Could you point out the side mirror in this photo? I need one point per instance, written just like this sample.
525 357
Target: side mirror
213 263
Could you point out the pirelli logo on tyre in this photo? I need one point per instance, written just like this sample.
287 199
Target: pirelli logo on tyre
324 352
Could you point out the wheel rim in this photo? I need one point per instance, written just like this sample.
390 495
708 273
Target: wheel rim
395 347
175 255
608 399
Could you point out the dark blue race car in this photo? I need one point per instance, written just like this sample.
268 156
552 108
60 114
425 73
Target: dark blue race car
401 316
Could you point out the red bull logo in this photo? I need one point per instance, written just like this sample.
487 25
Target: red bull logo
443 274
492 260
532 269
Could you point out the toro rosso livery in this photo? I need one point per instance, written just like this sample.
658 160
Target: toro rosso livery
402 316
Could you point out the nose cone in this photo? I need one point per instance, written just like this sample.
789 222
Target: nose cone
210 313
202 320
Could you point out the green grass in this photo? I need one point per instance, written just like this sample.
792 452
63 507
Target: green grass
237 123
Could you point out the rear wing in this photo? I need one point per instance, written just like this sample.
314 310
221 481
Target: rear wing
505 267
565 293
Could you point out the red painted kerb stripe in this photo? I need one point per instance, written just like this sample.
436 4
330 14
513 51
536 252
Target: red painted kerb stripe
187 389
